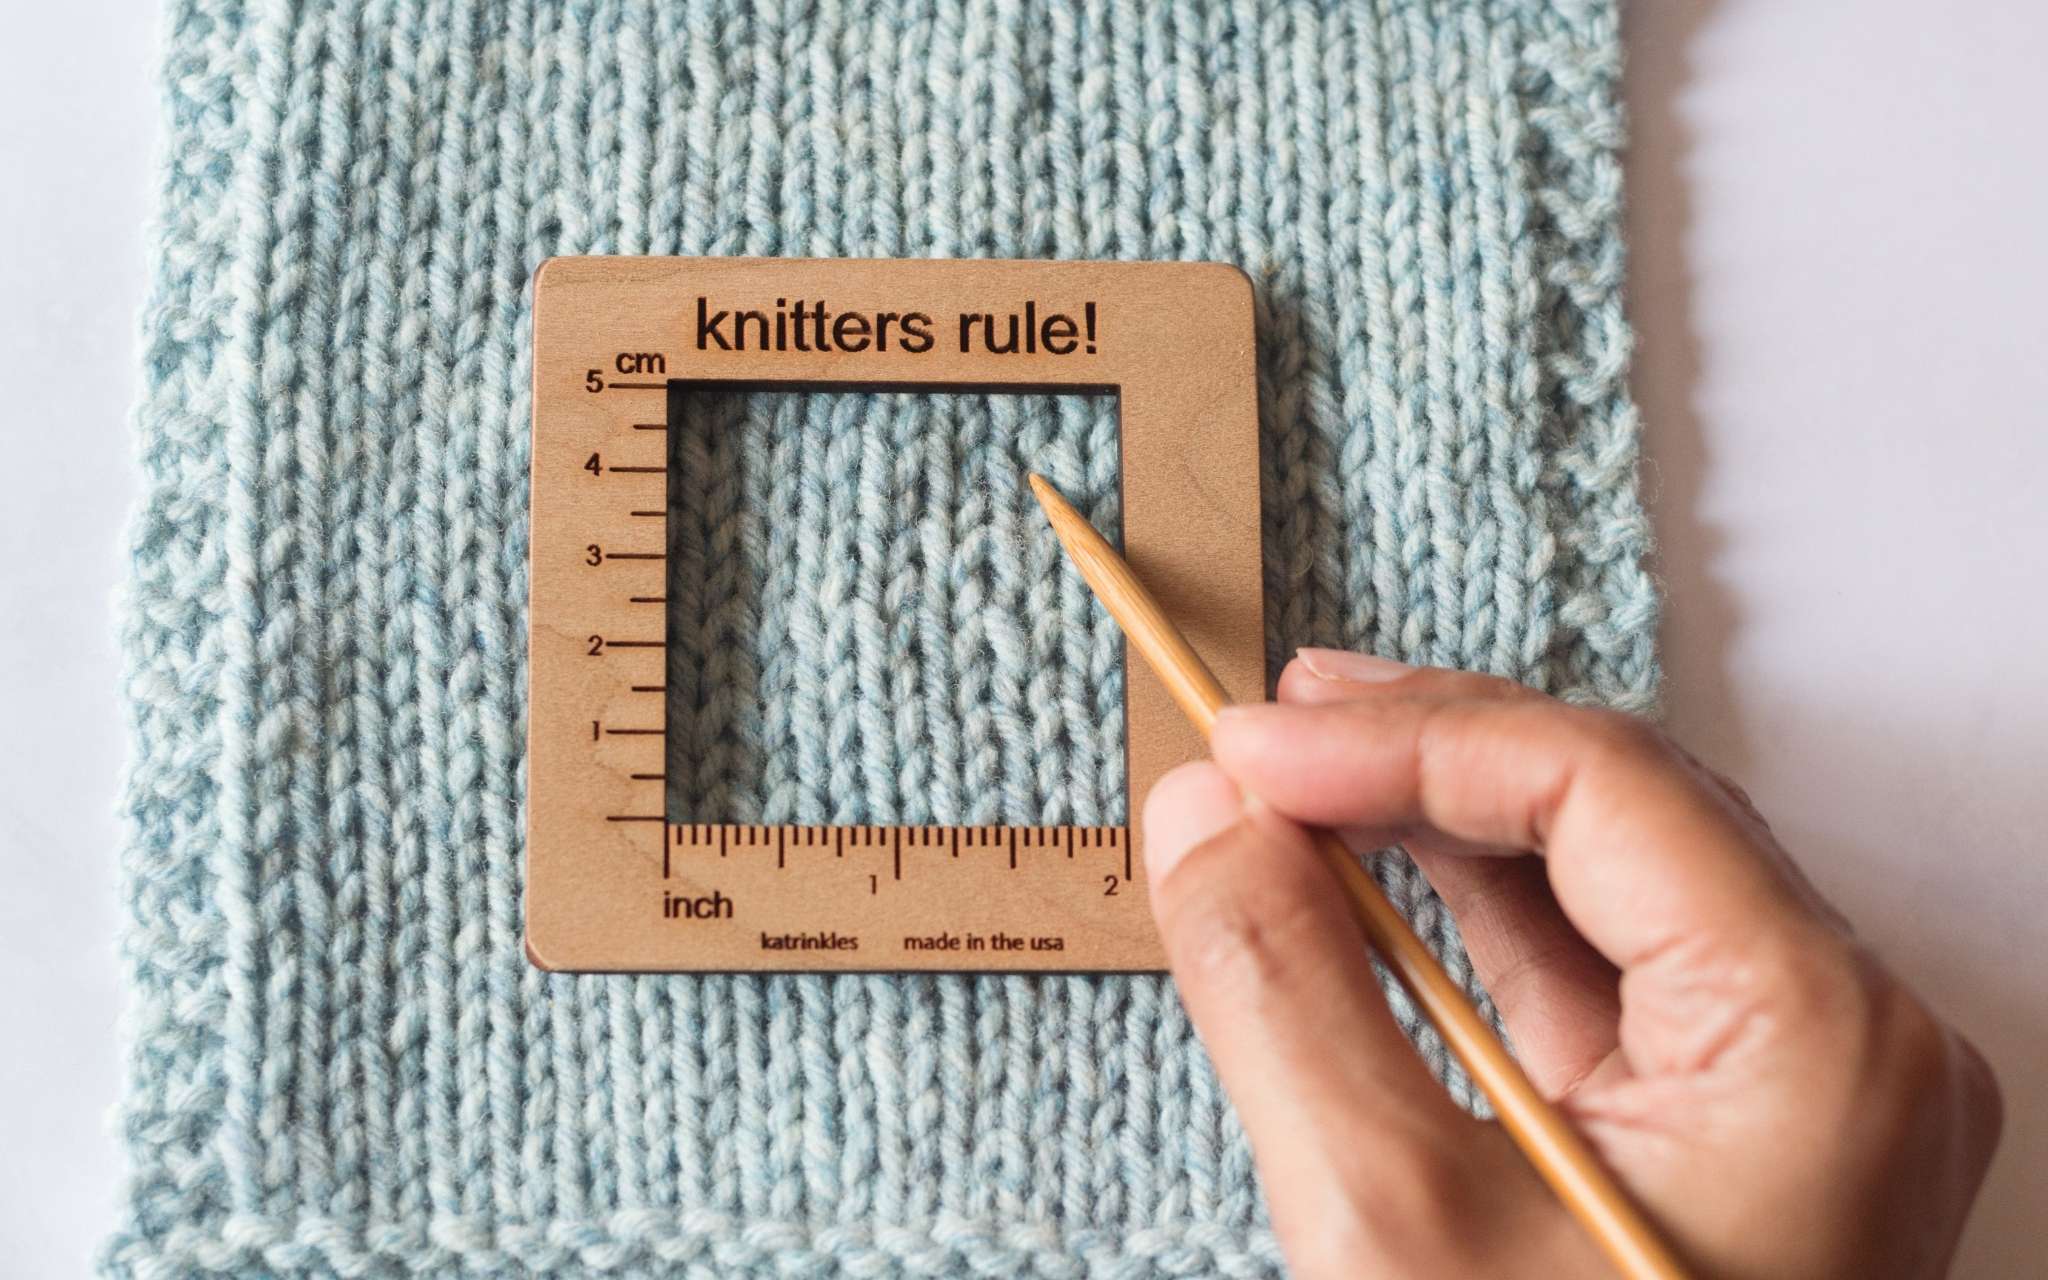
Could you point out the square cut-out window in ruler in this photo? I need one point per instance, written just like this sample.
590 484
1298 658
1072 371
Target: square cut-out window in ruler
612 884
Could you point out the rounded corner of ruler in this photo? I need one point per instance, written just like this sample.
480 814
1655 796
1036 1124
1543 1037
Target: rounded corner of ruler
534 958
1231 282
540 950
549 270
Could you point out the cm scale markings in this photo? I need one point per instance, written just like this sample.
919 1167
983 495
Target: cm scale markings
612 883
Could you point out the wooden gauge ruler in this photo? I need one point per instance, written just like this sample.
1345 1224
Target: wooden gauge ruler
614 883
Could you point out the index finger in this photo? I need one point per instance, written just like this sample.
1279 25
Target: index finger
1641 852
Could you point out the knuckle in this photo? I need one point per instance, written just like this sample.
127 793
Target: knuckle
1485 685
1739 796
1810 978
1983 1098
1822 974
1621 735
1744 994
1925 1093
1912 1046
1512 690
1923 1059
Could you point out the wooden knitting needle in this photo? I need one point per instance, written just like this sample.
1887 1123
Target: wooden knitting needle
1561 1157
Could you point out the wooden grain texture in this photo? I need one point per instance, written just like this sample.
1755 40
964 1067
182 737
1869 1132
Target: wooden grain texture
1560 1156
1173 342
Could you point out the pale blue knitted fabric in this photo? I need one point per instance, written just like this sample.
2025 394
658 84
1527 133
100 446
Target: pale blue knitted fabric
342 1062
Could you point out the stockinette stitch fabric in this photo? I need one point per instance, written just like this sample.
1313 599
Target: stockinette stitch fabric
342 1063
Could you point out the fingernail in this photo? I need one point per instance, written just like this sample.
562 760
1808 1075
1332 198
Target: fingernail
1342 664
1187 807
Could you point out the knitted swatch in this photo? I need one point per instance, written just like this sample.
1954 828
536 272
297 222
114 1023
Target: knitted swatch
342 1062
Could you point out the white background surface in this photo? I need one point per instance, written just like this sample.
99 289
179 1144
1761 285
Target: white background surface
1839 282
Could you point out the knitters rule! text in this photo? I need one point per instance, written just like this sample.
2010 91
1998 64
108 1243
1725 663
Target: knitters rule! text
809 325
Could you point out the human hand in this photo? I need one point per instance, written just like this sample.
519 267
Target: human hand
1779 1102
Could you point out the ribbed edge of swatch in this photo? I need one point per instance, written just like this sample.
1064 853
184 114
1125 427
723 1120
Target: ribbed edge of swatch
694 1243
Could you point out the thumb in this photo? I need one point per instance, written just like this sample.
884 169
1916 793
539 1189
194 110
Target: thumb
1344 1117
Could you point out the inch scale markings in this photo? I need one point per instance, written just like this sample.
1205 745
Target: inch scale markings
842 890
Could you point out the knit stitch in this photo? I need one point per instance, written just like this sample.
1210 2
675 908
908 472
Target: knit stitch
342 1063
